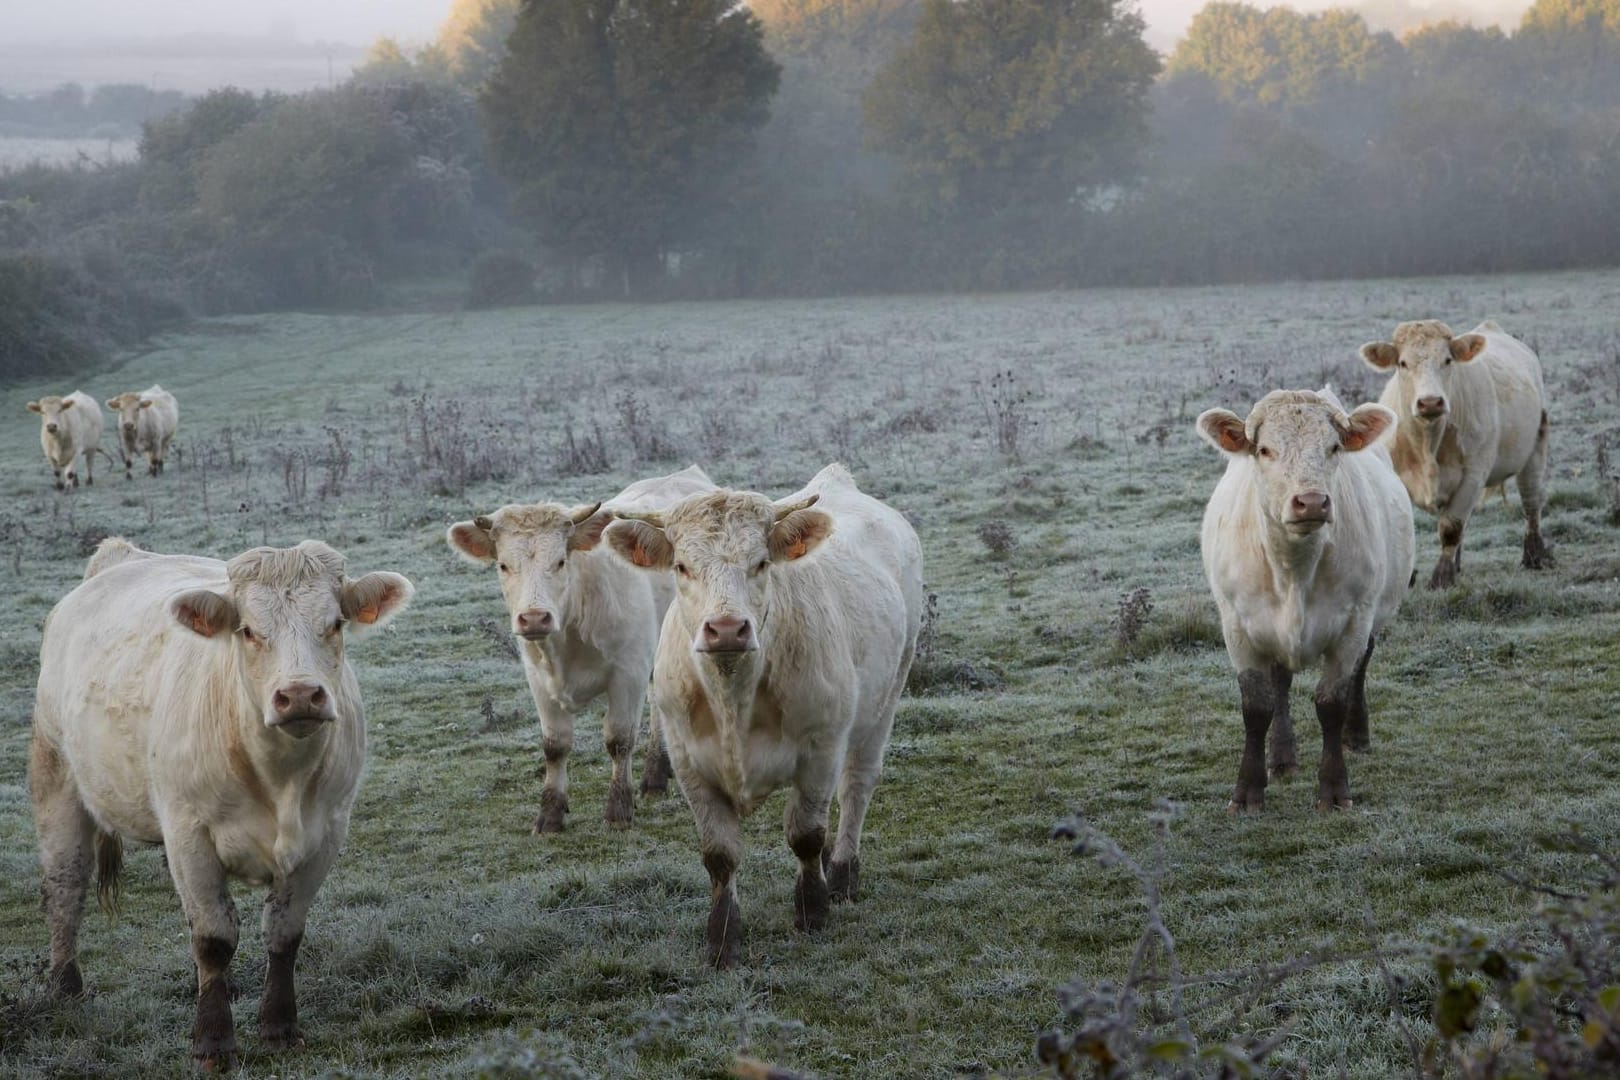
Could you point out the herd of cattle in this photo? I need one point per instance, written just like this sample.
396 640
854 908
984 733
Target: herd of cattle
209 707
71 426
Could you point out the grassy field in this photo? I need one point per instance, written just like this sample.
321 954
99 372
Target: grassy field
449 940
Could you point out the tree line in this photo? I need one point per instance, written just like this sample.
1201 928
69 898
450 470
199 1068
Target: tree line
581 148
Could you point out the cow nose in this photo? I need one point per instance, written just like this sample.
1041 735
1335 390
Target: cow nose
1431 406
1311 506
51 428
536 622
302 701
727 634
130 428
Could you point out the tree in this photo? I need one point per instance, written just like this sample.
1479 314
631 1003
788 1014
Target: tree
1002 102
623 126
473 38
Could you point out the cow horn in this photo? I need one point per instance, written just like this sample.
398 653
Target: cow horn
584 513
802 504
655 518
484 523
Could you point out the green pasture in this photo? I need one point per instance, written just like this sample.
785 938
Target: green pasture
448 940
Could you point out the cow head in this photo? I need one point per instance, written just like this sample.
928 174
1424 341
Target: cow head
284 616
128 408
1294 439
1422 357
50 410
532 548
721 546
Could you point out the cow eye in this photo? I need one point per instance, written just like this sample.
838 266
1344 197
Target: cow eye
1267 452
504 570
1401 363
249 636
559 565
680 568
337 627
760 567
1333 448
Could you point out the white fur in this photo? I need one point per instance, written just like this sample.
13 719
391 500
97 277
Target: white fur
78 431
146 423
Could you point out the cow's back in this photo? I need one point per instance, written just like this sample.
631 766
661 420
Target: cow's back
111 649
1518 394
861 594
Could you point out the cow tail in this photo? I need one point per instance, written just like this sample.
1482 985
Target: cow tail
109 871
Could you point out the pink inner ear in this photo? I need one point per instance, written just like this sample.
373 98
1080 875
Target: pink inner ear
1232 438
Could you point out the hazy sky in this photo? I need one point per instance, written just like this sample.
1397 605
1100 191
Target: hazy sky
361 21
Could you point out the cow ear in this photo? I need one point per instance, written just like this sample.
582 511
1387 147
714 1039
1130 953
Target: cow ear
1380 355
112 403
800 533
1362 428
33 406
146 403
67 403
588 533
1223 429
369 602
1467 346
206 614
471 541
641 544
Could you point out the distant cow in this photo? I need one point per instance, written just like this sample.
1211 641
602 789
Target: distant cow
205 706
587 625
146 423
1307 545
1471 413
69 426
780 663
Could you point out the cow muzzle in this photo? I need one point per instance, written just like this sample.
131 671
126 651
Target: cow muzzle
534 624
301 704
726 634
1429 407
1310 510
129 429
50 428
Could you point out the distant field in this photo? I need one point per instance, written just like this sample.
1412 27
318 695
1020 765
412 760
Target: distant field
449 940
17 151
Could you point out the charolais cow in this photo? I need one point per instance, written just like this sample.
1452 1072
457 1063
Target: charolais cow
1308 547
146 424
208 707
780 664
587 625
69 426
1471 413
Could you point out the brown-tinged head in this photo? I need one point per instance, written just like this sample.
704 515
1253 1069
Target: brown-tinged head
1421 359
533 549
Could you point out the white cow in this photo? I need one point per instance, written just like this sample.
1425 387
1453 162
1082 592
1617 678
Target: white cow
205 706
780 664
69 426
587 625
146 423
1308 546
1472 412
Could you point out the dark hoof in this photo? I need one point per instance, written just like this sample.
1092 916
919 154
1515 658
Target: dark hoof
1284 770
811 902
1536 554
1359 745
844 879
1333 797
1444 576
89 480
283 1036
66 982
1246 800
651 788
621 806
223 1061
723 936
553 809
655 774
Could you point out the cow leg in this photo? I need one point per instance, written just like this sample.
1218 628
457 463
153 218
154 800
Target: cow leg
66 846
805 823
90 466
863 765
557 733
1284 755
56 474
1357 728
655 770
1334 694
1533 497
626 696
285 911
200 880
1450 562
721 834
1258 689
